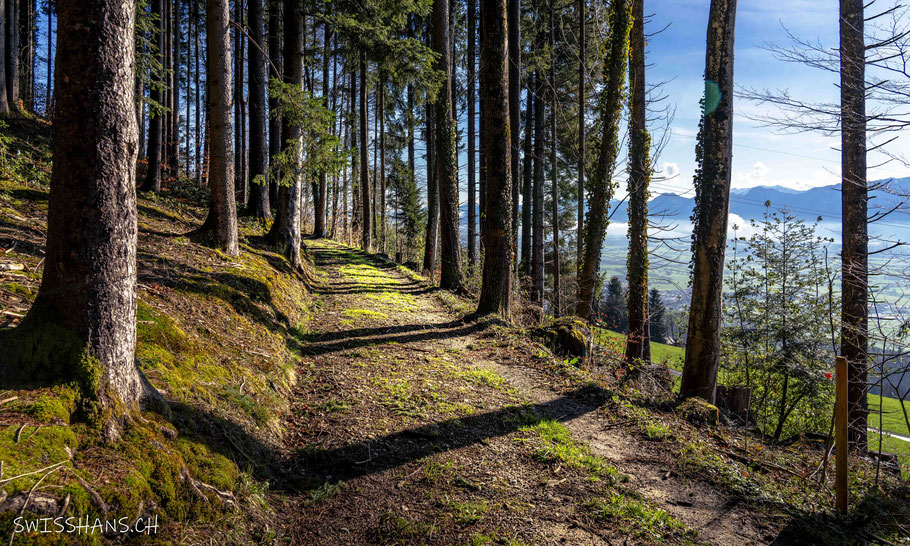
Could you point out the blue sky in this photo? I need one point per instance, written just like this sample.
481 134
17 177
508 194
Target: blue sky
678 54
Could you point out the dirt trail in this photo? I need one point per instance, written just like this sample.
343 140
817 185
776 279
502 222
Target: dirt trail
397 353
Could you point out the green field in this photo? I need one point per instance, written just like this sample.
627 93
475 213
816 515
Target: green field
892 418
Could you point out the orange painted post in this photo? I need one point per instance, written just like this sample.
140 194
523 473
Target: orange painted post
840 434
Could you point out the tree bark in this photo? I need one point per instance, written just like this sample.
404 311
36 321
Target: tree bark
82 325
239 151
429 253
286 231
4 98
220 227
712 189
366 233
554 169
320 196
27 53
582 41
382 181
258 206
496 286
537 244
601 181
855 235
446 173
275 56
152 180
12 55
527 184
514 38
472 136
638 339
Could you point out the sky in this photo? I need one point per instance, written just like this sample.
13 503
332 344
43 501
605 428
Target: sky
761 155
676 56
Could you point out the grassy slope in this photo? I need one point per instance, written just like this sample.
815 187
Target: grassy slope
216 335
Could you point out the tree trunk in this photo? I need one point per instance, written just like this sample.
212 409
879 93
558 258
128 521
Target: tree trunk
496 287
4 98
514 38
855 235
446 174
27 53
382 181
366 241
140 115
472 137
320 196
580 233
82 325
554 168
537 258
196 117
429 253
152 181
174 144
601 181
12 55
527 185
712 202
638 339
286 231
239 41
259 153
220 227
274 121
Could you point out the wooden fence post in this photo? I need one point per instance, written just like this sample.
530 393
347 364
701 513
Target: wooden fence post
840 434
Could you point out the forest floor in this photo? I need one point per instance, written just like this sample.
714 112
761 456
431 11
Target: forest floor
423 428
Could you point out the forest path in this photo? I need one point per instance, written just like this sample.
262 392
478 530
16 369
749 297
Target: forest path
411 426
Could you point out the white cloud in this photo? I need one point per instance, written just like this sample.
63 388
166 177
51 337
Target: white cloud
761 175
670 170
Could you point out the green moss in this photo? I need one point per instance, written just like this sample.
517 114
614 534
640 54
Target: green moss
636 516
17 288
59 403
355 313
555 444
697 411
37 448
154 327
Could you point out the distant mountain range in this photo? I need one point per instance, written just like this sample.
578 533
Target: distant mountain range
824 202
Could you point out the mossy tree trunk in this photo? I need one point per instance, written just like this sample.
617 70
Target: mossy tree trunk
220 227
82 326
855 236
285 233
638 341
496 287
712 202
601 180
